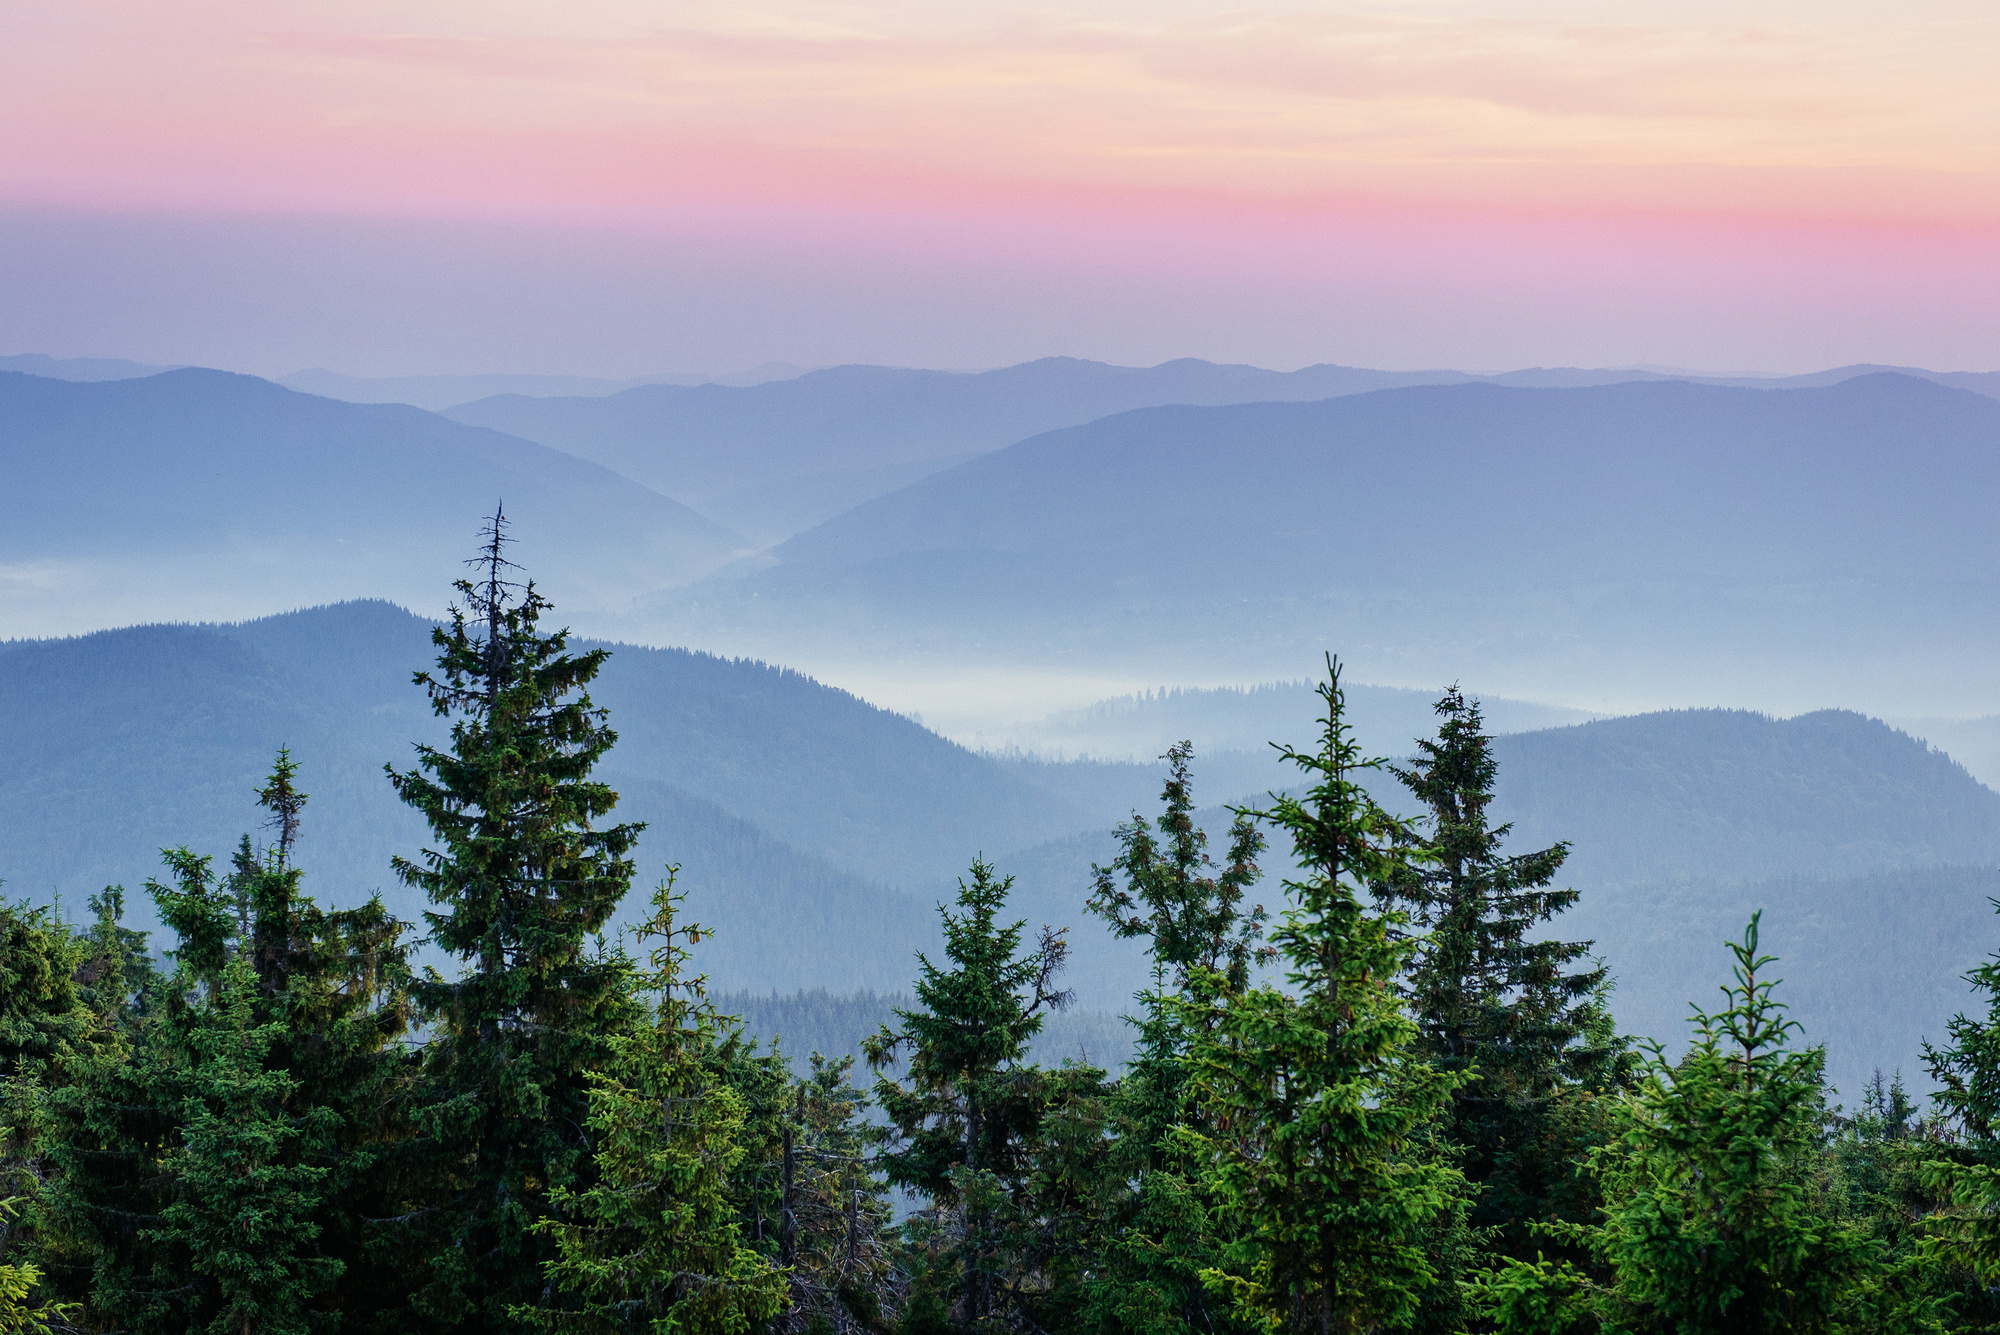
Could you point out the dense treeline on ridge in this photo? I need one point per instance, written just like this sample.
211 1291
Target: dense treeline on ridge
1372 1096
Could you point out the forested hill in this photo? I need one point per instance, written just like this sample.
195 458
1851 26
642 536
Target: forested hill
1730 795
207 492
790 805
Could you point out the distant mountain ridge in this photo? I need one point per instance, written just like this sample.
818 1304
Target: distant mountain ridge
786 802
773 459
79 368
215 494
1545 540
433 392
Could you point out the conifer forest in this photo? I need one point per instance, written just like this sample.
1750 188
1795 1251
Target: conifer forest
1369 1091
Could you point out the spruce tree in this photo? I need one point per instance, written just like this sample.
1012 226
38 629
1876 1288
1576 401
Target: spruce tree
523 878
1155 1230
653 1243
48 1033
966 1129
1957 1165
218 1168
250 1172
833 1211
1320 1111
1508 1011
1713 1220
23 1308
44 1013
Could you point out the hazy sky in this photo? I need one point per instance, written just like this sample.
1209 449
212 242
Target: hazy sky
614 188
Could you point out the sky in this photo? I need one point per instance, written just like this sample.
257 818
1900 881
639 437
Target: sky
615 188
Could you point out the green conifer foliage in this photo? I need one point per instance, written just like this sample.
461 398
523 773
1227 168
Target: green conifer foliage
218 1167
523 878
1957 1167
1489 1002
120 981
21 1313
1320 1111
1155 1231
44 1014
1712 1215
250 1174
47 1031
833 1211
1967 1069
965 1130
653 1243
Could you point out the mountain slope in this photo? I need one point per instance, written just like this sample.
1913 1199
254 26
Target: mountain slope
190 489
791 807
760 456
1547 541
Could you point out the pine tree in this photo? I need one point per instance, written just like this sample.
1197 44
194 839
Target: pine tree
833 1211
1509 1012
1320 1111
1155 1229
21 1311
523 879
44 1014
249 1175
47 1033
1957 1167
120 981
964 1132
1712 1220
218 1168
653 1243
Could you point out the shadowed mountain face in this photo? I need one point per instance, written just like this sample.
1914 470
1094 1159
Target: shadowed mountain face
206 492
773 459
1546 541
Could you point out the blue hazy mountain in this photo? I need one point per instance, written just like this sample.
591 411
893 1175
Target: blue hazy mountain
442 391
77 368
773 459
208 492
1236 718
1689 540
1822 794
784 801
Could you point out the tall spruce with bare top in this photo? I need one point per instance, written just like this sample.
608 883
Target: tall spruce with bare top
525 873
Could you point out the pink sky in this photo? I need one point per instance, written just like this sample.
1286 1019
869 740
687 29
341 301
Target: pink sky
616 188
